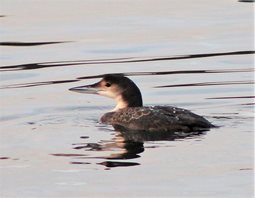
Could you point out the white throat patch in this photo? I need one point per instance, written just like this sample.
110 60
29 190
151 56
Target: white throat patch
121 104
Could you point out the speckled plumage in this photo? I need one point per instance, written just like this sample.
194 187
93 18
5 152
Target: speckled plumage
157 118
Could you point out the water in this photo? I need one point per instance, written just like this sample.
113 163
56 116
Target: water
194 54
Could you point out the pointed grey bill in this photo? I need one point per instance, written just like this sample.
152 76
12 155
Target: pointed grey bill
88 89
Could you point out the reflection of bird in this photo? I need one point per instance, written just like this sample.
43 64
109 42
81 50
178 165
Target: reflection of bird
130 114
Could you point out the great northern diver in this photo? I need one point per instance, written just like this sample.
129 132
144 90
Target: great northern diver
130 114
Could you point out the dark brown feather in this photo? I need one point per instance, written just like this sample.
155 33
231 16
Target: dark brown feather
157 118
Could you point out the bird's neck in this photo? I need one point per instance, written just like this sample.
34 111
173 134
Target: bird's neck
121 104
131 101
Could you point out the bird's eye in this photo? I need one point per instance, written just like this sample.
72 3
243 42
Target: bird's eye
108 84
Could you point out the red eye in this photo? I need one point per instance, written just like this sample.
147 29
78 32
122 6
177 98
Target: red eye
108 84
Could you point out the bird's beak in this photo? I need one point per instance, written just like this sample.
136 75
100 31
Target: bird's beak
88 89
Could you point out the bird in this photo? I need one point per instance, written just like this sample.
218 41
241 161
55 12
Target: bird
129 113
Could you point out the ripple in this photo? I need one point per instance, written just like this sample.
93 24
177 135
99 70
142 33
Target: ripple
208 84
31 66
26 44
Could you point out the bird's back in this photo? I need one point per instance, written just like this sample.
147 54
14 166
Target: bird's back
157 118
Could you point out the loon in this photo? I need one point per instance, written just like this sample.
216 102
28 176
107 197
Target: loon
130 114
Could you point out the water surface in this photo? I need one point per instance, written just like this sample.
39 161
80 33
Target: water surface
197 55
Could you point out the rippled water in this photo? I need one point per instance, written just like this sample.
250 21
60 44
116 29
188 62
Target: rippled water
197 55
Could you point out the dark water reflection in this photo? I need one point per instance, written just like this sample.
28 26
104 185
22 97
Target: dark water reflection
125 146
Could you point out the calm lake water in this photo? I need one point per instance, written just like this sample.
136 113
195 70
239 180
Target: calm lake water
194 54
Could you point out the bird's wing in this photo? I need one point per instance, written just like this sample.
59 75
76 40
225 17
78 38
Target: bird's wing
185 117
143 119
157 118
